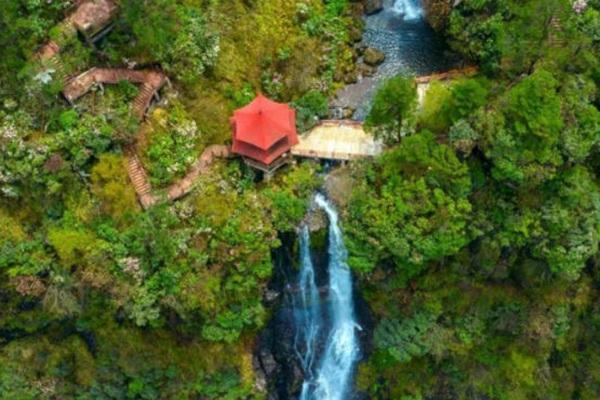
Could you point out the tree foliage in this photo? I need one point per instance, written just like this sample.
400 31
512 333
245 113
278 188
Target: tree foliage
391 112
413 210
176 35
509 305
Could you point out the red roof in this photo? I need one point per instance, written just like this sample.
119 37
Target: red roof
264 129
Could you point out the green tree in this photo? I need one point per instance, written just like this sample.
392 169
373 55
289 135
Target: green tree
412 208
392 110
523 140
582 130
445 104
476 30
570 222
412 337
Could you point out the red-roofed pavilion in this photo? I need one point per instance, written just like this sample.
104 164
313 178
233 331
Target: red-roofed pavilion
263 132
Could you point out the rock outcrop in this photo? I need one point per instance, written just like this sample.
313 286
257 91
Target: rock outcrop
373 6
437 12
373 57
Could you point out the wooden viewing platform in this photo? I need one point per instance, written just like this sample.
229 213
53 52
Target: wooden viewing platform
337 140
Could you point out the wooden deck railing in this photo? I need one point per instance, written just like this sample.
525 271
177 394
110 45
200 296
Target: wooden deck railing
451 74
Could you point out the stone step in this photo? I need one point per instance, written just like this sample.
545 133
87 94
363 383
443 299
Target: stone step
140 181
138 177
141 187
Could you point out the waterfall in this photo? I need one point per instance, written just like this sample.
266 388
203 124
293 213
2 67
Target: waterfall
330 377
307 314
410 9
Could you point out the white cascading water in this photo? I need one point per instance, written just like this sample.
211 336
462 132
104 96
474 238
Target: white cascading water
307 314
409 9
332 376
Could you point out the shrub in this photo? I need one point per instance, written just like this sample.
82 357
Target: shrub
309 108
392 110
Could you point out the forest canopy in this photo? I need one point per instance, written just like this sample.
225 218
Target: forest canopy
473 239
477 236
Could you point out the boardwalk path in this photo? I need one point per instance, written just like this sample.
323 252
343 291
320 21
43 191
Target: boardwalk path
98 14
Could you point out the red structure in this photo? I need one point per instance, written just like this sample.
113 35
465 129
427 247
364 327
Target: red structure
263 131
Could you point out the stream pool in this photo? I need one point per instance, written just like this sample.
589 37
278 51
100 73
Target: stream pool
410 46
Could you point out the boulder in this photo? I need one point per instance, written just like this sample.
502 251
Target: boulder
373 57
438 11
350 77
338 185
348 112
365 70
360 48
373 6
316 220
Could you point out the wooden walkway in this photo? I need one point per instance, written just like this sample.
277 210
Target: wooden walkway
337 140
150 82
202 165
93 17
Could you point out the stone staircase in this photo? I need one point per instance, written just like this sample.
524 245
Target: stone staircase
66 30
49 57
150 82
556 36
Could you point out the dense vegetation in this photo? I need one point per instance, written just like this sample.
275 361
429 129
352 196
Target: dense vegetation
476 238
101 299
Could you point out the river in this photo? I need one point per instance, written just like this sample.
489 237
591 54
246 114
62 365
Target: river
320 301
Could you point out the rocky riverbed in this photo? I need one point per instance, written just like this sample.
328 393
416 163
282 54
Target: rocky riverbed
397 40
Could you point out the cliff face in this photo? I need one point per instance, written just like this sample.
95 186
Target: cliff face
437 11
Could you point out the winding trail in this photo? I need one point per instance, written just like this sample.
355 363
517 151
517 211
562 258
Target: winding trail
98 14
